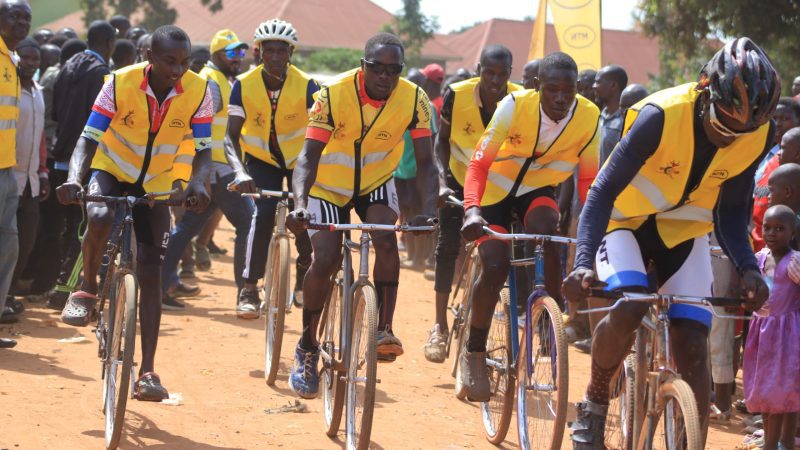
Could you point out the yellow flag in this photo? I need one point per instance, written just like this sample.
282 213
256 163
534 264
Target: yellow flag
539 27
577 24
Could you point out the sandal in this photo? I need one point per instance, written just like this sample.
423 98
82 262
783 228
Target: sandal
148 388
80 309
715 415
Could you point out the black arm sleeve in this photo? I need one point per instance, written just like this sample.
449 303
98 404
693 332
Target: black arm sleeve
733 211
622 166
448 99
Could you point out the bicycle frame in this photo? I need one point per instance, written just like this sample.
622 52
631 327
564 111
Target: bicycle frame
658 333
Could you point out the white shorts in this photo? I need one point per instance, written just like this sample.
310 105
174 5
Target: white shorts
624 257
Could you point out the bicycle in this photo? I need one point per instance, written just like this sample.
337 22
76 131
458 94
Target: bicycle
656 389
347 338
116 328
277 290
537 363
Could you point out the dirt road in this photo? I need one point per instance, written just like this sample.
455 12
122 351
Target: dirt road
50 391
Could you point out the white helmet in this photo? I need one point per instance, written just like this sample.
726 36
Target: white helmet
276 30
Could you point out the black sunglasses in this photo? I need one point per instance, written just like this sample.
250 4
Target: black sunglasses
381 68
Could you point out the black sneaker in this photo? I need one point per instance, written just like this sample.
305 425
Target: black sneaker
214 250
589 426
185 290
171 303
148 388
249 304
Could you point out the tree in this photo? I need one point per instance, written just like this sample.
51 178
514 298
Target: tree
154 12
686 28
329 60
413 27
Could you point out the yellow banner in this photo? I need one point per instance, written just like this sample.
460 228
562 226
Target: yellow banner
577 24
539 28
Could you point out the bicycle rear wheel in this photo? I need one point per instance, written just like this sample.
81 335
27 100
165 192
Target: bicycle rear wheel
275 305
619 421
496 413
676 425
542 379
330 342
119 361
362 368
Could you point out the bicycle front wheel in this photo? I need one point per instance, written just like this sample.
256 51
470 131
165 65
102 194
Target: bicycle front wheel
542 379
275 305
461 326
676 424
362 369
119 360
330 341
619 421
496 413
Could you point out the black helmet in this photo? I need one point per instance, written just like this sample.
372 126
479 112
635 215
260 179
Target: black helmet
742 84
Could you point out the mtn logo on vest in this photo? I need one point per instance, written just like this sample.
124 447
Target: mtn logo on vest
383 135
722 174
177 123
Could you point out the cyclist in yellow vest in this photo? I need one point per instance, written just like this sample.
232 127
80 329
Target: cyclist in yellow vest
268 119
515 169
130 144
227 52
683 169
15 22
353 145
467 108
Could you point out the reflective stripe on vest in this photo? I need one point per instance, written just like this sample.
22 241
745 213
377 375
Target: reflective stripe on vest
466 125
515 166
660 186
219 124
291 115
380 148
128 151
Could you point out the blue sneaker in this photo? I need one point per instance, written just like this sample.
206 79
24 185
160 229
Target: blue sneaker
304 379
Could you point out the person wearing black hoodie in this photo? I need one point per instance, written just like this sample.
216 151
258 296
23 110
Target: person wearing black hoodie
74 92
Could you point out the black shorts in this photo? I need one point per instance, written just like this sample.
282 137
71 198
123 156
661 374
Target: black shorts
151 225
324 211
500 215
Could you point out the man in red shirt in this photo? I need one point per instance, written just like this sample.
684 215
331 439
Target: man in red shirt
433 86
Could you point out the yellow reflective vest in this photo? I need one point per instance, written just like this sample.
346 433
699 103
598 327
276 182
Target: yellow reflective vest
466 125
128 150
9 107
660 185
515 164
360 158
291 115
219 124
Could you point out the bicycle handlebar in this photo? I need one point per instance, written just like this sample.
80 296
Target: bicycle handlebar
371 227
527 237
453 201
267 193
149 198
622 297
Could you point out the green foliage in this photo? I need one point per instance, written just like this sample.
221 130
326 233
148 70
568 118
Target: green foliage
413 27
685 27
155 12
329 60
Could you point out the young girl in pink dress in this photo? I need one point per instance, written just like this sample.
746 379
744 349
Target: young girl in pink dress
771 372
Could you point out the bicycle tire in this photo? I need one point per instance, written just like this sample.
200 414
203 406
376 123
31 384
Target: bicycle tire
456 307
496 413
330 339
542 427
619 421
462 328
363 355
643 360
275 311
123 333
687 434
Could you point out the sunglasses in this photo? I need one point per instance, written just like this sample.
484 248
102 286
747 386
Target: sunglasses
720 128
381 68
235 53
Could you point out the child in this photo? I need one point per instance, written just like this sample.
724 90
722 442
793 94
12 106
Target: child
772 354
